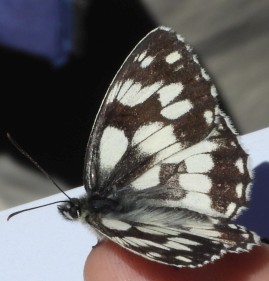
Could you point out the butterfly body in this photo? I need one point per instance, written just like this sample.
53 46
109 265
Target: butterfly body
164 171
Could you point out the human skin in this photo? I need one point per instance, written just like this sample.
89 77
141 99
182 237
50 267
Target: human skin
108 261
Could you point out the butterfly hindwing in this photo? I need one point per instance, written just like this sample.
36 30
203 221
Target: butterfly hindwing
191 244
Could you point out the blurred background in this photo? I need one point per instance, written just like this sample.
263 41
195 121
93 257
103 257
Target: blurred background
57 59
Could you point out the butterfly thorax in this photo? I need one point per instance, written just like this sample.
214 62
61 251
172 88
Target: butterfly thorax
99 204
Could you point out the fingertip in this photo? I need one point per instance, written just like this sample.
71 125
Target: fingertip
109 261
106 261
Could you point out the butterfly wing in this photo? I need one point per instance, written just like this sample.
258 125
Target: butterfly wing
161 146
160 125
134 118
186 245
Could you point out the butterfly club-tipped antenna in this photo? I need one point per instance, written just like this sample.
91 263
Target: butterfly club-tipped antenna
23 152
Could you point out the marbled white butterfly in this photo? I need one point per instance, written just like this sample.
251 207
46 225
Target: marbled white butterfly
164 171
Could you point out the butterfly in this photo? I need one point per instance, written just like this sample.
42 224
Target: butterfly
164 173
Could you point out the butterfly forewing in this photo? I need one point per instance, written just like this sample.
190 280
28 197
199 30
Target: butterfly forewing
149 102
160 145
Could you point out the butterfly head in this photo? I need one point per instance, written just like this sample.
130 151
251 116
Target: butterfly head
71 210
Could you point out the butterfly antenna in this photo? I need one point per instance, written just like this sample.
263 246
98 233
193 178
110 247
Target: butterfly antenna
29 209
23 152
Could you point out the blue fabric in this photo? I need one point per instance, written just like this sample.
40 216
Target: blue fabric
256 217
42 28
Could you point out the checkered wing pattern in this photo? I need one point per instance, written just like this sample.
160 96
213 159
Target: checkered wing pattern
168 158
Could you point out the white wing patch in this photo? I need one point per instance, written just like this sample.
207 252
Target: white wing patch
154 255
184 241
115 224
148 179
230 209
130 95
113 145
213 91
239 190
195 182
142 56
157 141
136 94
239 164
178 246
173 57
147 61
204 74
198 202
199 163
177 109
149 230
146 131
152 229
143 242
169 92
208 117
184 259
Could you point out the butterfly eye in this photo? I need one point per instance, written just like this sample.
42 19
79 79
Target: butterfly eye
70 211
74 212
